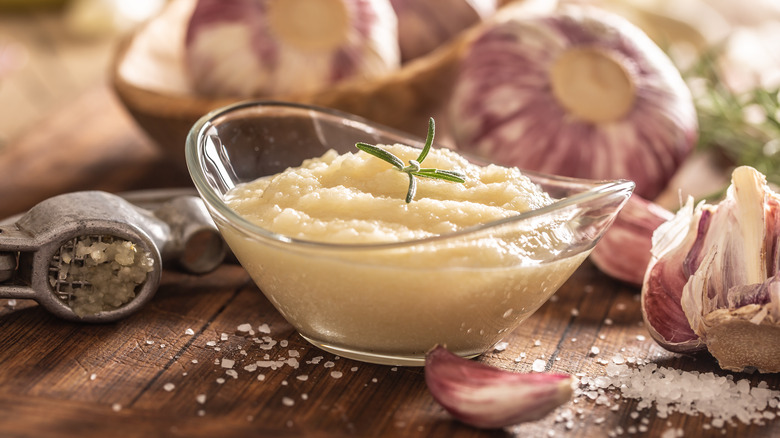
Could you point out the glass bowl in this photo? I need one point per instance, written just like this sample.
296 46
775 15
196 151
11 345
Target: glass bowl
389 303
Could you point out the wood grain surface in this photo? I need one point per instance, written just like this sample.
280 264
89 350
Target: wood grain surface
160 372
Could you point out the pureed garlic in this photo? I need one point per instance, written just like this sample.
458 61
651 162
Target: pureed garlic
376 296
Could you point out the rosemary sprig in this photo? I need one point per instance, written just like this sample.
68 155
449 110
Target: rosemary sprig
414 169
743 126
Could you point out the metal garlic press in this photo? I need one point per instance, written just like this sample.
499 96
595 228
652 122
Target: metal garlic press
97 257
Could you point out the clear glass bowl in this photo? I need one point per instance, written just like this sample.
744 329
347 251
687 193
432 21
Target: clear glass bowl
389 303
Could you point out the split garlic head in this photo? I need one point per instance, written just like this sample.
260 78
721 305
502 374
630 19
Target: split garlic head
252 48
581 92
718 265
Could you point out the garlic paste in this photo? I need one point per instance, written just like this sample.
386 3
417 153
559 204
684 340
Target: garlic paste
465 290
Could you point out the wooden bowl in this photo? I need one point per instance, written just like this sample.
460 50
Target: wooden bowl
403 100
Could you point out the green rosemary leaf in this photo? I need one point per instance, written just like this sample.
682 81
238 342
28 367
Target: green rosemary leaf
428 140
412 188
447 175
381 154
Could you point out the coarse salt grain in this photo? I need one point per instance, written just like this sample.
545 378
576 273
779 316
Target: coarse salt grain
537 343
329 364
232 373
116 407
594 351
336 374
201 398
263 328
189 332
169 387
92 376
501 346
224 337
228 363
539 365
287 401
720 398
302 377
244 328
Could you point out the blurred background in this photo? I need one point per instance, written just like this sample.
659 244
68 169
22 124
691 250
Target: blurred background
53 52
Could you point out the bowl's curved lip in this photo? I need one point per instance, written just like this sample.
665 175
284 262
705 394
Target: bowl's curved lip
193 154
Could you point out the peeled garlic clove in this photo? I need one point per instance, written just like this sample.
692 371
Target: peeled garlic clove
487 397
288 47
624 251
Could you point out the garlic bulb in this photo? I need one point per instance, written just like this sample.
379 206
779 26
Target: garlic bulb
427 24
718 265
624 251
580 93
487 397
279 47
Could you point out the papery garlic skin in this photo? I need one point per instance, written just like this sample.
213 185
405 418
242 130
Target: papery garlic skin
664 281
624 251
520 100
487 397
727 255
249 48
424 25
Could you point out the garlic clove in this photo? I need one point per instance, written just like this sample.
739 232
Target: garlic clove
488 397
732 299
624 251
664 281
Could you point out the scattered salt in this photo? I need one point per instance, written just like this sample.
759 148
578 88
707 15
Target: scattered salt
92 376
220 380
575 312
501 346
224 337
116 407
287 401
537 343
232 373
539 365
189 332
169 387
608 321
640 338
228 363
201 398
263 328
720 398
594 351
336 374
244 328
302 377
329 364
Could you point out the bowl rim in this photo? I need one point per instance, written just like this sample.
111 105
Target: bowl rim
193 154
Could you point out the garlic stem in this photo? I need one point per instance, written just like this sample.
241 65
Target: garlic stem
310 24
593 84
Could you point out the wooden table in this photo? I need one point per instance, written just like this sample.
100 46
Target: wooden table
160 372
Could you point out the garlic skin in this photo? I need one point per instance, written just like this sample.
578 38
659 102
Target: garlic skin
580 92
624 251
490 398
248 48
425 25
727 255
